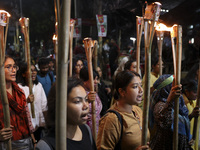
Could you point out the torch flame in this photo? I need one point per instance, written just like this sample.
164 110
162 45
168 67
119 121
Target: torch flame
163 27
3 11
54 37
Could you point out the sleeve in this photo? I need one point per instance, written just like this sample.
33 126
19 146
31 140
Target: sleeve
163 114
109 132
30 125
43 99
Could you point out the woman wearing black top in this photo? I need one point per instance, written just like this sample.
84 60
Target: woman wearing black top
78 134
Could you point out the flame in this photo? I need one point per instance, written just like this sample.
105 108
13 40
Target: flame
163 27
54 37
3 11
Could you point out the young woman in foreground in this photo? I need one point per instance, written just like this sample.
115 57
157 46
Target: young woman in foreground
78 134
128 94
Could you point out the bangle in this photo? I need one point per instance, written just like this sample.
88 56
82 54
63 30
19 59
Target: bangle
35 142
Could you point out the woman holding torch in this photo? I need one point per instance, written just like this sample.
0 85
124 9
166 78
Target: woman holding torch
162 115
21 127
40 100
111 134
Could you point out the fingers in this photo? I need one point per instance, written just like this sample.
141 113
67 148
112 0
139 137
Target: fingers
5 133
91 96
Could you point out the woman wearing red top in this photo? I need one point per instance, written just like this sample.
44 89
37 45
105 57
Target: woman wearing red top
20 130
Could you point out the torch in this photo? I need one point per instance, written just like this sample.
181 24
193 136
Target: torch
194 135
88 43
173 34
4 20
152 13
139 29
95 53
177 82
24 22
72 23
160 36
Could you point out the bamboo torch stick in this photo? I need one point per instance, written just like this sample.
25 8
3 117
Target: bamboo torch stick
24 22
61 75
173 34
160 28
152 12
95 53
194 135
177 82
139 29
88 50
72 23
4 19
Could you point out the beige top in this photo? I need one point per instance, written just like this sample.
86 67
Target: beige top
110 130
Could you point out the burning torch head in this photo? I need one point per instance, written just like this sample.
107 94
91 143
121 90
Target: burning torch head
174 31
152 12
4 15
88 42
24 22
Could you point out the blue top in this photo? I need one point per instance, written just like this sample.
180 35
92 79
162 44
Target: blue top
46 82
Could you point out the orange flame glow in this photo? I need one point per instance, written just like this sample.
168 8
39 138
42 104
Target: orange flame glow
163 27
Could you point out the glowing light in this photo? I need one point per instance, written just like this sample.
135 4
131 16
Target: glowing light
54 37
3 11
163 27
132 38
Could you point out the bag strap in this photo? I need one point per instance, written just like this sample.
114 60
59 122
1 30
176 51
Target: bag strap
90 133
50 142
118 145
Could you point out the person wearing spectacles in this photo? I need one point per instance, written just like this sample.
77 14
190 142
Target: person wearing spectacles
38 98
20 130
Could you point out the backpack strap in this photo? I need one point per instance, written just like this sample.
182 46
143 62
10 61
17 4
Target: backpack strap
118 145
90 133
50 142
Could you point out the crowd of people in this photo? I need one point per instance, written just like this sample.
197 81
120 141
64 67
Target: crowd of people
118 106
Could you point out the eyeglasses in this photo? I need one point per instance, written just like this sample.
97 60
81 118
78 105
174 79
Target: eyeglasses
11 67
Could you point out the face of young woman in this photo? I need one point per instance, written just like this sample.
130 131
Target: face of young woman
77 106
34 72
78 66
133 66
10 70
134 92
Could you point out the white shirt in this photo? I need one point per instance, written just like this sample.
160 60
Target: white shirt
40 103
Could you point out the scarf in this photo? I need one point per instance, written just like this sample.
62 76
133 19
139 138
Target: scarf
162 89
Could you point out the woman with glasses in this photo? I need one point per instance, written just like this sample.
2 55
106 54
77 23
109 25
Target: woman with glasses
78 63
20 130
38 96
79 136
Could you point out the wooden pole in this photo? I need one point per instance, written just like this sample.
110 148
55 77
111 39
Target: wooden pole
61 75
147 86
88 50
95 54
173 34
160 36
197 104
72 23
148 44
24 22
177 82
4 98
139 29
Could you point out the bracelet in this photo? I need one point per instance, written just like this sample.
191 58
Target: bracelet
35 142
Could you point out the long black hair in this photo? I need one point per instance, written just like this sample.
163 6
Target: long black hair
122 80
51 100
22 70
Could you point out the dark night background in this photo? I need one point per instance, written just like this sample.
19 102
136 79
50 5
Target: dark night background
121 16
